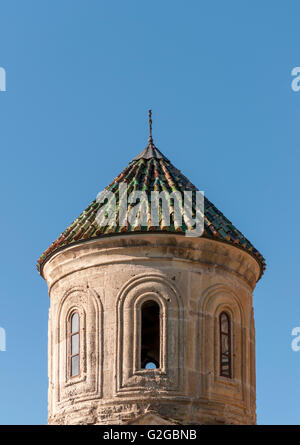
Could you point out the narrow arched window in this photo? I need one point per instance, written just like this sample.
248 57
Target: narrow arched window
150 335
74 345
225 345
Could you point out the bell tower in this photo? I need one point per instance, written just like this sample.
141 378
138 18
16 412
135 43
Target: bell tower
146 324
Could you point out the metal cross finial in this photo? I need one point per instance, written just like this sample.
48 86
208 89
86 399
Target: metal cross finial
150 126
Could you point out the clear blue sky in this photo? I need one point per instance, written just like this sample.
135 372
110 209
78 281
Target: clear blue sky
81 76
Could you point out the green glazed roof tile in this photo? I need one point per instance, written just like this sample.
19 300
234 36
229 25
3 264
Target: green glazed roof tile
151 171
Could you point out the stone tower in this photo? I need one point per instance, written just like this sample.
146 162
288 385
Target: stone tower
148 325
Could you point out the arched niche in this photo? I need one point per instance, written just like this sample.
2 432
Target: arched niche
169 375
88 384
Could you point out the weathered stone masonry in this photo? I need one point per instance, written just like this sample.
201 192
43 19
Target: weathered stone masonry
205 371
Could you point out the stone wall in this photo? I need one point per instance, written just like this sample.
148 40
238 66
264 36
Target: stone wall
193 280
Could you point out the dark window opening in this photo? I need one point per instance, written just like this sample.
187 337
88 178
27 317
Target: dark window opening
150 338
225 345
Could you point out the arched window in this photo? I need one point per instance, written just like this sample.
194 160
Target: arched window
150 335
74 345
225 345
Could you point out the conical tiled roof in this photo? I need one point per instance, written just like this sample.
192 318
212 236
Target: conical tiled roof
151 171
